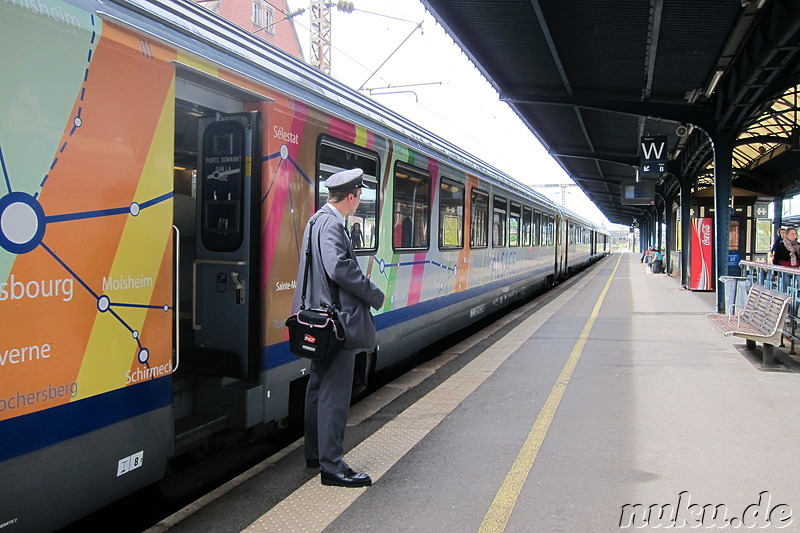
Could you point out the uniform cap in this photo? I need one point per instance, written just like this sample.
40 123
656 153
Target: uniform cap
346 180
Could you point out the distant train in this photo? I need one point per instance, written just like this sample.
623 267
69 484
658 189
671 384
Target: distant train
158 167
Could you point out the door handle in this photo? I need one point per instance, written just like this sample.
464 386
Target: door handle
177 305
195 324
239 288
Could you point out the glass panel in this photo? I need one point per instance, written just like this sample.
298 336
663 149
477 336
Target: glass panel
411 207
763 235
733 236
513 225
451 214
527 217
362 225
479 220
499 215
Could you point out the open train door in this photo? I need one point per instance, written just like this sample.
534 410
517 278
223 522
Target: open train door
225 271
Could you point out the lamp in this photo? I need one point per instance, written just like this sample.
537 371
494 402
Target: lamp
712 85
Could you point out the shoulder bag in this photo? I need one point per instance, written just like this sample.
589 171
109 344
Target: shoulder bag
315 333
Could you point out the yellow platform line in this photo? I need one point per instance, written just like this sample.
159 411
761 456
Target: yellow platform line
499 512
312 507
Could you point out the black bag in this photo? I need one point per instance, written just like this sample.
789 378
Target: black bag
314 333
656 267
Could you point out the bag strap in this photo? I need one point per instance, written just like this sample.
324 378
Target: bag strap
308 262
334 290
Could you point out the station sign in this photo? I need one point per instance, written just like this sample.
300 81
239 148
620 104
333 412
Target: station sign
653 155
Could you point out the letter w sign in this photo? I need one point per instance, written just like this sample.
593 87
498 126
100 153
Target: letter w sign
653 157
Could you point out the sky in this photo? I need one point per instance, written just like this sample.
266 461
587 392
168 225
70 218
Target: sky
379 47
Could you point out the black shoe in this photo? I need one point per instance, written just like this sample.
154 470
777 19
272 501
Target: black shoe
312 463
348 478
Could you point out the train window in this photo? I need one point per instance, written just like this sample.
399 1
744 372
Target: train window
550 230
499 215
544 229
479 219
514 224
527 216
334 156
537 228
451 215
412 207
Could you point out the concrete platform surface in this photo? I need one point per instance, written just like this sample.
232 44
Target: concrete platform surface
610 404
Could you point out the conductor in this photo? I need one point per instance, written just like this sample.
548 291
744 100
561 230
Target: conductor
336 276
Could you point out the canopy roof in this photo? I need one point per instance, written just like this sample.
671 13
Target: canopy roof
591 77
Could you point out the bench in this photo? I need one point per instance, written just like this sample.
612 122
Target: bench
761 320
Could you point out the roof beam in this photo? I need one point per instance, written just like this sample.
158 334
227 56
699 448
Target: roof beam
774 44
698 115
548 37
656 7
763 139
608 183
615 159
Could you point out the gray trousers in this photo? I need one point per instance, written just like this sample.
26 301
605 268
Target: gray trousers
327 405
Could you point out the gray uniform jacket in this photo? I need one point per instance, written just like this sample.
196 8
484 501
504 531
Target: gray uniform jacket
332 254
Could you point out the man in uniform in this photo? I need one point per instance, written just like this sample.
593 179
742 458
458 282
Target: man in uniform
336 276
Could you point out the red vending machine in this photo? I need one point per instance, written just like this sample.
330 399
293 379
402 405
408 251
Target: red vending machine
701 255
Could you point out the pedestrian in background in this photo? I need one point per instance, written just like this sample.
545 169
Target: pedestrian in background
779 238
787 251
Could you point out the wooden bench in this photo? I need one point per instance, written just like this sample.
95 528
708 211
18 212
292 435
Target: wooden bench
761 320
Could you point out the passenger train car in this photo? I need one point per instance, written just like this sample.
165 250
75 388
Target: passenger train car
158 167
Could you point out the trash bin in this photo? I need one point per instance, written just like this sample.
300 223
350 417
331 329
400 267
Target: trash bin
731 283
742 290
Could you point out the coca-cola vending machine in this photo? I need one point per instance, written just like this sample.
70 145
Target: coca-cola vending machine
701 255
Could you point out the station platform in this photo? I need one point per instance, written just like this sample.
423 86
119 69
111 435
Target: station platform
609 392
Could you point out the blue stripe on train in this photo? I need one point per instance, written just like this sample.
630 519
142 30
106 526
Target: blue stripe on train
34 431
278 354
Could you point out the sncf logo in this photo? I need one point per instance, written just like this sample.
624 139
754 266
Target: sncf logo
308 338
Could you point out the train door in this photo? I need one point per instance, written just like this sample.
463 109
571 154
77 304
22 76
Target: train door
558 229
217 216
225 271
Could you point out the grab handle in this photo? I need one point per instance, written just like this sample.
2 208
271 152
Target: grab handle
177 306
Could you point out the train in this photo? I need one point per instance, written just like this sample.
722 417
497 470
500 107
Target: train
158 167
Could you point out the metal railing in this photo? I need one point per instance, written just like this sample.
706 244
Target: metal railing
785 280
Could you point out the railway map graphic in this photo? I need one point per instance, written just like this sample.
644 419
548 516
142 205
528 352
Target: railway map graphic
85 210
22 228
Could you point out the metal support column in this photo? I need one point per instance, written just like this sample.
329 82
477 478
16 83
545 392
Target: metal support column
670 230
660 223
642 233
685 229
723 154
778 217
